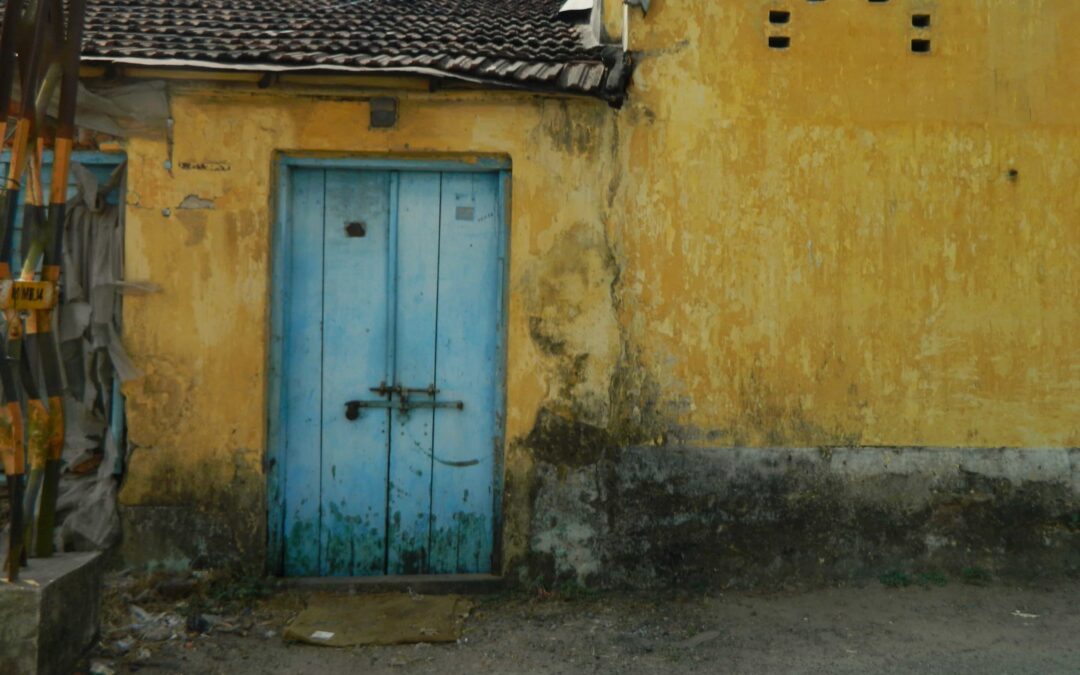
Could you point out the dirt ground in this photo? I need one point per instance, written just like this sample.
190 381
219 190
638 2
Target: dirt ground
942 627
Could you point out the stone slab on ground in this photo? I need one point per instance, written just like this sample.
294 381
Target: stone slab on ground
51 615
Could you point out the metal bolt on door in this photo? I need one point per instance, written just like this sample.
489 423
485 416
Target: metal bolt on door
391 320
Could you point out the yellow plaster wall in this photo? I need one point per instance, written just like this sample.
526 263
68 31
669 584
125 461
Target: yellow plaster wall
198 417
810 247
824 245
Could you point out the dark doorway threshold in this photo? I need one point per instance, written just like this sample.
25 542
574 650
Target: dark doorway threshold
424 584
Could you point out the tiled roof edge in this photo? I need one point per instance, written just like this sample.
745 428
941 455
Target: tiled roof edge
607 79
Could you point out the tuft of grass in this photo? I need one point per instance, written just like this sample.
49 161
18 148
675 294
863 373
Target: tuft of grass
975 576
928 579
896 579
237 588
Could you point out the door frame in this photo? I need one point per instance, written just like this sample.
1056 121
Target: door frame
274 465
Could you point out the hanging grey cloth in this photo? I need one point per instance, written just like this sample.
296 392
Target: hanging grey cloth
94 362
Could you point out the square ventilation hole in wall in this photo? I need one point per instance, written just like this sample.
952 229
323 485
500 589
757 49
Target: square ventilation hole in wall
920 46
779 16
779 41
920 20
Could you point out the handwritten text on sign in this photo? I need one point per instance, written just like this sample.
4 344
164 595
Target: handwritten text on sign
27 295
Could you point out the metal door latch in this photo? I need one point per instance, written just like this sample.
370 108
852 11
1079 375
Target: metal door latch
404 405
352 408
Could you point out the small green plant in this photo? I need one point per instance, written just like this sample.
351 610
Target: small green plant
928 579
896 579
239 588
976 576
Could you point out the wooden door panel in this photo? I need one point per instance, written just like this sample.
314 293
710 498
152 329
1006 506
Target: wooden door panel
355 305
303 375
466 352
411 445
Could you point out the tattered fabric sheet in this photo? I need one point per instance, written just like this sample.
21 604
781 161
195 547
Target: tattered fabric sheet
122 110
94 360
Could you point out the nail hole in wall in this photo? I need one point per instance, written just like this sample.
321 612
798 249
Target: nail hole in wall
920 20
779 41
779 16
920 46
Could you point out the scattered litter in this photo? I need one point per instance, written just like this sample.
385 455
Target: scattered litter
198 623
124 645
322 635
214 620
154 627
177 589
1024 615
140 614
142 655
101 668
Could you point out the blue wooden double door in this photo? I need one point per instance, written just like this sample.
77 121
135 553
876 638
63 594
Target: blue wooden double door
390 371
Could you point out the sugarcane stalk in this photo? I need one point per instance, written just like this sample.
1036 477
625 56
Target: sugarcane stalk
39 334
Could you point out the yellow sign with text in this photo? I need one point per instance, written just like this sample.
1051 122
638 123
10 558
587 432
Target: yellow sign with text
28 295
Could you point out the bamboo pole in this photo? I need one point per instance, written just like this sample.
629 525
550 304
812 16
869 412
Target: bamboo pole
20 348
28 30
39 336
10 451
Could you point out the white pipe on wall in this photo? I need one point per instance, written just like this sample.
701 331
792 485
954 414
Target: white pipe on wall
625 26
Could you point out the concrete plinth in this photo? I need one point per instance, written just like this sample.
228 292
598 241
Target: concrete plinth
51 615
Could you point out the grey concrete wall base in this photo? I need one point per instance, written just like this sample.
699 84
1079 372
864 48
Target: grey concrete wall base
746 517
51 615
184 537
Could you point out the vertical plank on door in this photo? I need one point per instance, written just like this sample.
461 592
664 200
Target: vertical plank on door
354 453
466 352
302 373
411 434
